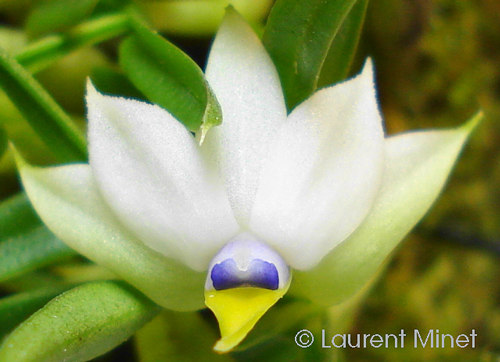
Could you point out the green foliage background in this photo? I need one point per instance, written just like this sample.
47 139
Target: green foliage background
438 61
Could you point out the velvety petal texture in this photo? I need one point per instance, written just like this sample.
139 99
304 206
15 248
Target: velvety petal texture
149 170
322 173
69 203
416 168
248 88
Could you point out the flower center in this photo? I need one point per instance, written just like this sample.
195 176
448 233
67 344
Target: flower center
244 280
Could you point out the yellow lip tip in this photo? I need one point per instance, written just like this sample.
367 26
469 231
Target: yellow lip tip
238 310
228 343
221 347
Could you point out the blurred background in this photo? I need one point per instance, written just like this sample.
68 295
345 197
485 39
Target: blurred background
437 63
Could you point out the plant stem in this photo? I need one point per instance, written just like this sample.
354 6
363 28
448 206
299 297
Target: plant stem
42 53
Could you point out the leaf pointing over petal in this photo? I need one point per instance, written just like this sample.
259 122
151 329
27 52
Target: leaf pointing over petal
169 78
54 127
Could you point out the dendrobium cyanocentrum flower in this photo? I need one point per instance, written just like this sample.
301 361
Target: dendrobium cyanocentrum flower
320 191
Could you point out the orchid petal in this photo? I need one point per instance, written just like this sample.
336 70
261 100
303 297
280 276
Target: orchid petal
68 201
417 166
323 172
248 89
149 170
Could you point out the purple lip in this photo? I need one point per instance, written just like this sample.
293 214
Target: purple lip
260 273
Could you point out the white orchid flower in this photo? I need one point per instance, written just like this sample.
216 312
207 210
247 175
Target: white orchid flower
320 192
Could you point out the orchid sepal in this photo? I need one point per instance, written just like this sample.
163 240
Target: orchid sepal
69 203
417 167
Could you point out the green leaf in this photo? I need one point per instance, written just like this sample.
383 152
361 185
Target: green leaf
25 243
169 78
30 250
17 308
340 56
34 280
80 324
45 116
57 15
298 36
17 215
417 167
113 82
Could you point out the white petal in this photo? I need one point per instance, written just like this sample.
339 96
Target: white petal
323 172
247 86
417 166
149 169
67 200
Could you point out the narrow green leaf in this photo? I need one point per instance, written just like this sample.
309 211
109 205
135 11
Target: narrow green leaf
45 116
44 52
25 243
57 15
16 215
17 308
33 281
82 324
3 142
30 250
340 56
169 78
298 36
